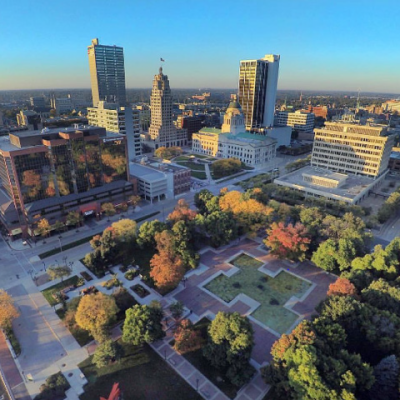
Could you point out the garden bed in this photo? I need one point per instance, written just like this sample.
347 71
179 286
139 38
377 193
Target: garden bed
86 276
50 292
141 291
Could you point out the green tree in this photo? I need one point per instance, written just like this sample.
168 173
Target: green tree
176 309
59 226
107 352
58 272
202 198
147 233
74 218
134 201
325 256
386 380
142 325
108 209
184 245
230 345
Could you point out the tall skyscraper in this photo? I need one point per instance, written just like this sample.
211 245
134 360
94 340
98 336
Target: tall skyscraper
258 81
107 73
162 130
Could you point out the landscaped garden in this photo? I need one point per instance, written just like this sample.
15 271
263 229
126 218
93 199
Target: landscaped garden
197 169
141 373
51 293
271 293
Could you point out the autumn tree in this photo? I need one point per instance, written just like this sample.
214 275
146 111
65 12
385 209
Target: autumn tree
8 311
107 352
74 218
288 242
167 153
125 230
58 272
187 339
44 227
182 212
142 325
176 309
108 209
342 287
95 313
229 346
134 200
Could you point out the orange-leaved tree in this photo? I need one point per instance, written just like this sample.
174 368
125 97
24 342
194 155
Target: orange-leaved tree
167 267
186 337
182 212
8 311
342 287
288 241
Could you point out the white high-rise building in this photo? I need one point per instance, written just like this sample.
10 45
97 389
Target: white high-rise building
162 130
299 120
119 120
258 82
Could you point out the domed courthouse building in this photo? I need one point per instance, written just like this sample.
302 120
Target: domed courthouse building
232 141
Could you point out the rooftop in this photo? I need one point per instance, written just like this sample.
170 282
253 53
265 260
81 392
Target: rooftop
145 172
351 188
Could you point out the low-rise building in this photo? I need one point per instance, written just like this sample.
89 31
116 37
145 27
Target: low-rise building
159 180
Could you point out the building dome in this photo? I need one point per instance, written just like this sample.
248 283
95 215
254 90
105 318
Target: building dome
234 104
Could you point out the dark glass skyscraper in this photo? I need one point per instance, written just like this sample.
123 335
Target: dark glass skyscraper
107 73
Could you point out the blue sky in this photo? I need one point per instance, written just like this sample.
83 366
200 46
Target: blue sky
335 45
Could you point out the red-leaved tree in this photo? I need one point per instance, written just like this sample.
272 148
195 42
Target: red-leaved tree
288 242
182 212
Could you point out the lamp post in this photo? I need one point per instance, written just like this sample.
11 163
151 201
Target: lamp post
44 266
59 239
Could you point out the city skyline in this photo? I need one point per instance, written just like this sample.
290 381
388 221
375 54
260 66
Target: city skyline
322 47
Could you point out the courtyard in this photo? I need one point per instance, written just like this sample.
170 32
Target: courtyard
271 292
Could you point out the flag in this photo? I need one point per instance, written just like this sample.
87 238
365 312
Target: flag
161 59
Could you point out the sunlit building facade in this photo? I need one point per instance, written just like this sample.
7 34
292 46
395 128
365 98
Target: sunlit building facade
51 172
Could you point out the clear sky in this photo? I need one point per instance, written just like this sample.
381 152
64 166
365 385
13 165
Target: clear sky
326 45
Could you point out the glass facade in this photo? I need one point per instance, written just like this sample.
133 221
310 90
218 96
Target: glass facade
35 176
75 166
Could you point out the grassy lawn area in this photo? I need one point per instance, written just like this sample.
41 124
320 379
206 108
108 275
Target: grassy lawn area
48 293
199 174
82 336
141 373
203 365
192 165
271 293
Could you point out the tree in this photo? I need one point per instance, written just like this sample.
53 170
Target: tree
147 233
202 198
386 380
142 325
107 352
125 230
342 287
134 200
187 339
166 271
230 345
182 212
44 227
74 218
290 242
95 313
184 246
8 311
58 226
226 167
58 272
325 256
176 309
108 209
168 153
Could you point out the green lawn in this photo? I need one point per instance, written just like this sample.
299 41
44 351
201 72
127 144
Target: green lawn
48 293
142 374
199 174
271 293
192 165
203 365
